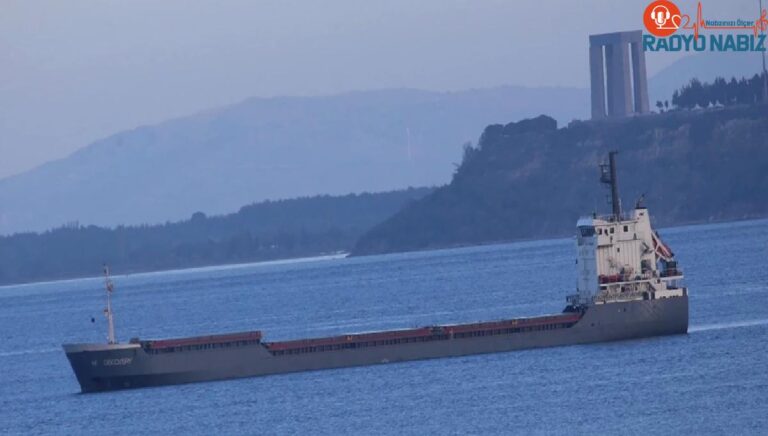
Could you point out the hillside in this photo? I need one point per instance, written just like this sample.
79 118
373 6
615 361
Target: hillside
532 180
262 231
267 148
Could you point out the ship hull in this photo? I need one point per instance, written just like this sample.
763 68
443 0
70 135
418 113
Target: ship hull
111 367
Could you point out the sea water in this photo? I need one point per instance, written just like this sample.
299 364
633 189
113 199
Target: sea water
712 380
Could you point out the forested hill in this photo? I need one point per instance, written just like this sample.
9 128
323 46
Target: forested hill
262 231
532 180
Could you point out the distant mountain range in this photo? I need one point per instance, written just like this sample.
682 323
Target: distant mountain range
288 147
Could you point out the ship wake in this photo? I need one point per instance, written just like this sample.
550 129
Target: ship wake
728 325
23 352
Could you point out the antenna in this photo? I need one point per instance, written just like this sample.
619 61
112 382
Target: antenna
639 202
108 311
608 176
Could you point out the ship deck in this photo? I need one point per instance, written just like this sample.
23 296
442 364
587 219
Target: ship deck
364 340
423 334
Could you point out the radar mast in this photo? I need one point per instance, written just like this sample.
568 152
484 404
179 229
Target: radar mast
108 311
608 177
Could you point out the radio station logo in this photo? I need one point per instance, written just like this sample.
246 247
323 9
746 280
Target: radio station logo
662 18
670 29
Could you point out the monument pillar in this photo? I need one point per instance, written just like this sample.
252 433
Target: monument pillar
597 82
618 83
625 87
640 79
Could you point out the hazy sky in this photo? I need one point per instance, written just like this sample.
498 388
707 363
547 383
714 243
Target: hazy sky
74 71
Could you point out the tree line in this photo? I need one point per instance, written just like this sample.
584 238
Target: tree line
262 231
722 92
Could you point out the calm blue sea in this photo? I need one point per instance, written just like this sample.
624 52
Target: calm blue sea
712 381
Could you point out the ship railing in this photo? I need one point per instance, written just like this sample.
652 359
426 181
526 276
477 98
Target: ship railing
644 278
607 296
577 300
613 218
672 273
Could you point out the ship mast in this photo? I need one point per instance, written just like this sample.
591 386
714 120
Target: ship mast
108 311
608 176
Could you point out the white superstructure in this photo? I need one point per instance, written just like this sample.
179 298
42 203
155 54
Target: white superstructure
621 258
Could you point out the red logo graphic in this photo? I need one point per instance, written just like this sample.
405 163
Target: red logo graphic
662 18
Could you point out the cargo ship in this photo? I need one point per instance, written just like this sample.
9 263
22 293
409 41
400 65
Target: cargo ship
628 286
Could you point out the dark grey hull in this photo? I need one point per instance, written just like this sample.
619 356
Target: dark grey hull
110 367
